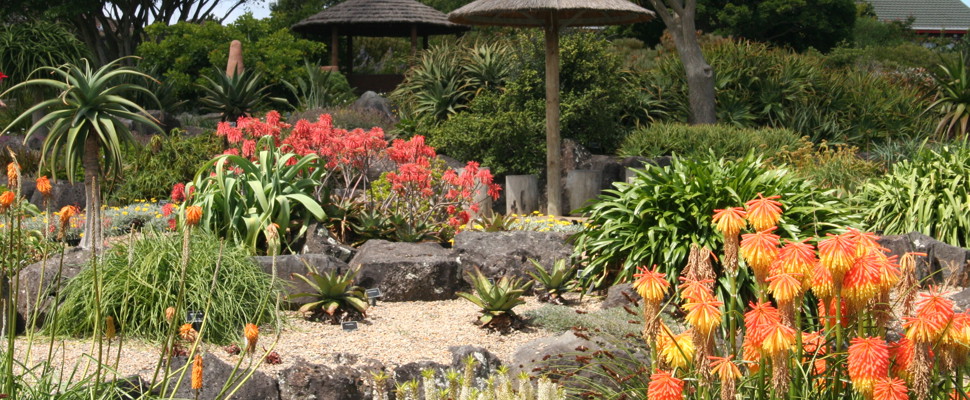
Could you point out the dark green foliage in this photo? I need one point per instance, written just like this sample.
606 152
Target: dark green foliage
151 170
236 96
832 167
320 88
928 194
761 86
797 24
185 52
899 58
695 141
334 296
137 293
657 216
869 31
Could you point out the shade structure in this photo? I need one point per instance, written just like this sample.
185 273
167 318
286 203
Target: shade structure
378 18
551 15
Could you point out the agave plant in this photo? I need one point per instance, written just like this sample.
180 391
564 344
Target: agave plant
236 96
335 297
242 199
497 299
555 282
953 101
320 89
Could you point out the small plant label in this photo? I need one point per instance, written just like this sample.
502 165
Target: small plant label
349 326
195 318
373 293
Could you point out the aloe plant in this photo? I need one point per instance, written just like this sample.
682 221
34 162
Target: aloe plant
953 100
335 297
242 199
236 96
555 282
497 299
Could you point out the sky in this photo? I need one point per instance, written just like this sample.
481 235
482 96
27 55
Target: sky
259 8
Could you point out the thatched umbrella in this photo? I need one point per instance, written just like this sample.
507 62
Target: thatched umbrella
551 15
378 18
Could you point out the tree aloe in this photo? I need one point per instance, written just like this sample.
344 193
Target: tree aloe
86 126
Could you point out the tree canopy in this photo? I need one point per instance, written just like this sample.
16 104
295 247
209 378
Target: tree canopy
799 24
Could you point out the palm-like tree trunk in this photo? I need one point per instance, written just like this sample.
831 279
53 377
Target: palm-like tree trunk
93 238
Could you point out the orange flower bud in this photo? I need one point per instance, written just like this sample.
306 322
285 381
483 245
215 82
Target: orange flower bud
197 373
251 333
6 200
13 172
169 314
193 214
44 186
109 329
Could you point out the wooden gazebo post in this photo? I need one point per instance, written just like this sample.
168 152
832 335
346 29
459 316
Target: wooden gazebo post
334 46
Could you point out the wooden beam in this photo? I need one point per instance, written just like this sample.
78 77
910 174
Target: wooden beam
334 46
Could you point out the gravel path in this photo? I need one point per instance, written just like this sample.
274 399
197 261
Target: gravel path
394 333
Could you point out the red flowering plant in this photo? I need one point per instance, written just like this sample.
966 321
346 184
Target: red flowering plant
420 199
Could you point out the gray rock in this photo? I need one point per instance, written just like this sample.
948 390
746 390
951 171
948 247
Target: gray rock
412 372
320 241
962 300
287 265
563 356
619 296
63 193
408 271
320 382
215 373
500 254
43 279
372 101
486 364
944 263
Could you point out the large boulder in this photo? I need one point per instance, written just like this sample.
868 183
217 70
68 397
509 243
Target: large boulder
565 355
287 265
943 263
320 241
374 102
962 300
312 381
215 374
41 278
63 193
408 271
621 295
412 372
499 254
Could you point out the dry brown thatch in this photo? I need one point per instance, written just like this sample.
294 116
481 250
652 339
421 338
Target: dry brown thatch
379 18
535 12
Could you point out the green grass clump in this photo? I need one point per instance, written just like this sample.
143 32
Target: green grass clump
613 321
695 141
136 293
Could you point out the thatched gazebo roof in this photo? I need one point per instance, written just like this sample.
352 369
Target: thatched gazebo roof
379 18
568 12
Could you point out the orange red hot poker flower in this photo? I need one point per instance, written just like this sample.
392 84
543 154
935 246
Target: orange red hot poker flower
650 284
763 212
868 361
44 186
729 221
251 333
664 386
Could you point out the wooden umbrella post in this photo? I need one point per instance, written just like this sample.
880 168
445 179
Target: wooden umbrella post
414 41
334 45
553 144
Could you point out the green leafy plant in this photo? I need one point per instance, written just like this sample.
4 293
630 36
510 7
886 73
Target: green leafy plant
556 282
953 97
139 280
236 96
151 170
497 299
654 218
86 126
928 194
832 166
334 296
241 198
320 88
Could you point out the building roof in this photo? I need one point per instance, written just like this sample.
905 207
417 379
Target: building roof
930 15
393 18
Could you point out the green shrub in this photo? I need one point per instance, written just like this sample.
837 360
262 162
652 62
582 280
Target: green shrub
693 141
612 321
832 167
184 52
319 88
928 194
881 58
137 293
657 216
151 170
762 86
348 117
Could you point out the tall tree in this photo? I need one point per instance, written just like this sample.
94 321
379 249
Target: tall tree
113 28
798 24
679 16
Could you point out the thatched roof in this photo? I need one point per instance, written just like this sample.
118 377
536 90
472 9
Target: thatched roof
379 18
534 12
